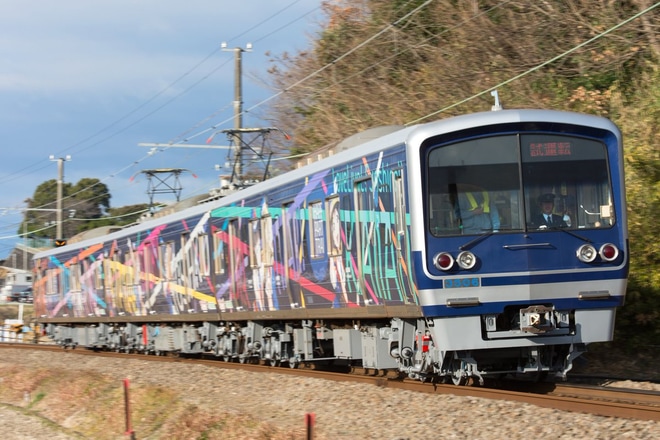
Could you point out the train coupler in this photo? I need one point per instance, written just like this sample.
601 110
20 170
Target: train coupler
537 319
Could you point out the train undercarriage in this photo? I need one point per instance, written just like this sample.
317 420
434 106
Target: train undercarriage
405 347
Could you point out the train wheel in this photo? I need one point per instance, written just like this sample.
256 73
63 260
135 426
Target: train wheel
458 376
458 380
274 360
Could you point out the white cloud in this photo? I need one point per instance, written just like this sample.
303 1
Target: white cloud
69 69
67 44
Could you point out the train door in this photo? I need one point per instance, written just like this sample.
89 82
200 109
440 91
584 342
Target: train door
400 237
145 256
364 235
256 265
220 258
291 258
162 300
183 275
267 260
237 253
335 251
75 290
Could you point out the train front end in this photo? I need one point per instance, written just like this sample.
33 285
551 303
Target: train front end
519 238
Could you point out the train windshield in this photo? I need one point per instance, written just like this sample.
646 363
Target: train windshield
538 182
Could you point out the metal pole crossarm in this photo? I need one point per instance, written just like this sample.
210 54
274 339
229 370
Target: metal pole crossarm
28 209
158 145
250 130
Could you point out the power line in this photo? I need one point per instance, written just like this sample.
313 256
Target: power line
328 65
298 83
20 171
539 66
158 94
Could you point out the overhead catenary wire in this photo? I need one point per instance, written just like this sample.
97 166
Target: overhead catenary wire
246 111
322 69
538 66
531 70
152 99
160 93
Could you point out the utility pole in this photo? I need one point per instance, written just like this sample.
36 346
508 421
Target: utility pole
60 179
238 106
235 135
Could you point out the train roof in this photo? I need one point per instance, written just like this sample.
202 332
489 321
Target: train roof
412 135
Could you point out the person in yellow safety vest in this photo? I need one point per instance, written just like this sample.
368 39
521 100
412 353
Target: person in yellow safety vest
477 213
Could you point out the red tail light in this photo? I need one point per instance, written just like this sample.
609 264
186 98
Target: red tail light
443 261
608 252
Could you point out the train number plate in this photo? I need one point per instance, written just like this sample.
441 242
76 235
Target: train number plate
452 283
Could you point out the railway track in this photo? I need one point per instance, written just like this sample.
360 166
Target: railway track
590 399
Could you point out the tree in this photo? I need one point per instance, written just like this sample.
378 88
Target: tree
638 115
383 62
378 62
87 199
91 198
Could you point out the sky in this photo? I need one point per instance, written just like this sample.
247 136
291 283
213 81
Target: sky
94 79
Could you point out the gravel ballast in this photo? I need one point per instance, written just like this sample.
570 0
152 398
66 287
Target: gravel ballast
256 406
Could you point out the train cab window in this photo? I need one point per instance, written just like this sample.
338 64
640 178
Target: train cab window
473 187
500 184
566 183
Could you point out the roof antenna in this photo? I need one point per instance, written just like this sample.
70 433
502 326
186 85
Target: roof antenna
497 105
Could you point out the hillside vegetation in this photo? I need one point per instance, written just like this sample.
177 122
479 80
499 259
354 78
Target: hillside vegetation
384 62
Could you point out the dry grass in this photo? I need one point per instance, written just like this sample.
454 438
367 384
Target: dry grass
92 406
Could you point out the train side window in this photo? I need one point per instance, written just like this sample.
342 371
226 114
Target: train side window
267 246
218 254
74 278
316 230
167 258
255 242
234 256
98 276
288 248
203 255
334 227
145 257
52 276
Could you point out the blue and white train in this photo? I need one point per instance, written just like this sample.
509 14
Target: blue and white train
425 251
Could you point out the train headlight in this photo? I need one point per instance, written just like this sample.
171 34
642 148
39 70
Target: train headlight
608 252
443 261
466 260
586 253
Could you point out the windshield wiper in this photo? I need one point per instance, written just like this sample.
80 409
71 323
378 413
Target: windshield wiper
555 228
476 240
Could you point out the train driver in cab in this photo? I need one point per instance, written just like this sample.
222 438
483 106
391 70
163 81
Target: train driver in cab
476 210
547 218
